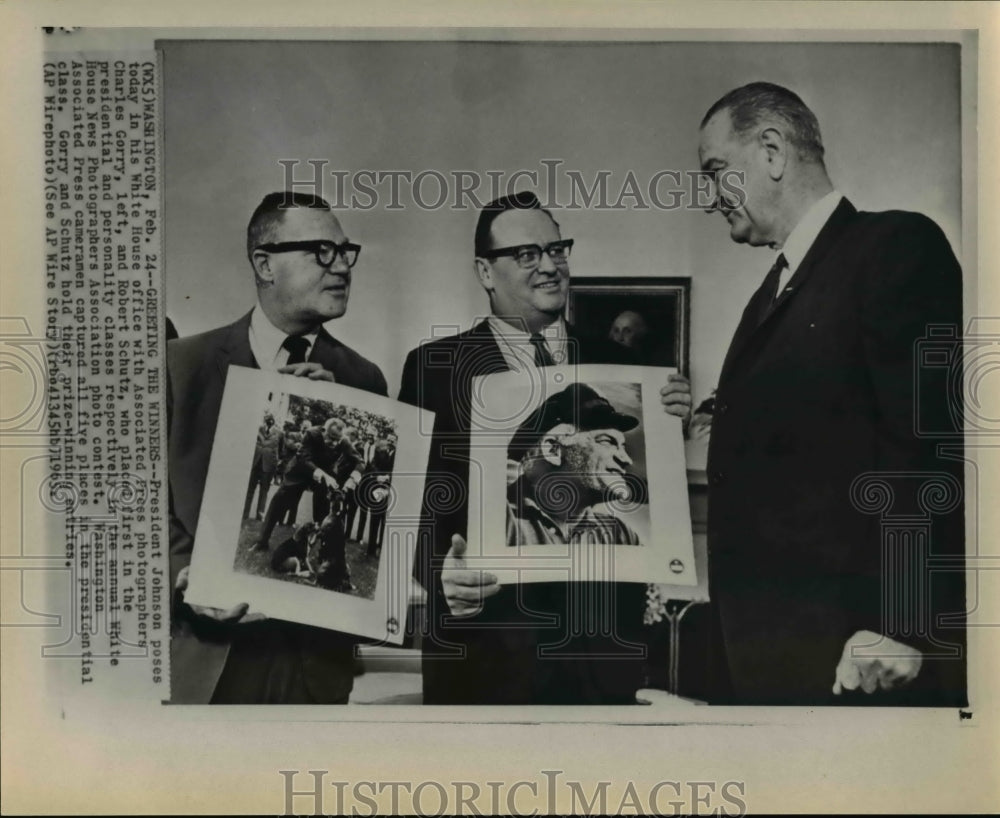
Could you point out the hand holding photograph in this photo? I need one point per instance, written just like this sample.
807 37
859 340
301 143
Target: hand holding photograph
589 485
343 457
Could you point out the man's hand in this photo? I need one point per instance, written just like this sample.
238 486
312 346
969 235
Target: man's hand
235 615
871 661
676 396
465 590
309 369
321 476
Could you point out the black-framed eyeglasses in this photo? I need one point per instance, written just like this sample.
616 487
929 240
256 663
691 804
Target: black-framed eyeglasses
325 251
530 255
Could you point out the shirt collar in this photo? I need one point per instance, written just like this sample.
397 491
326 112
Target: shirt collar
515 341
586 517
805 232
266 340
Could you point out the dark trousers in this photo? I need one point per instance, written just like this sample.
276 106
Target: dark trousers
285 501
350 511
275 662
260 481
376 530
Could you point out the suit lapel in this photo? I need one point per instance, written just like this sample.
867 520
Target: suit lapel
235 348
819 250
750 327
326 352
485 355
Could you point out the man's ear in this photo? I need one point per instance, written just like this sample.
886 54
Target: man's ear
551 450
262 266
776 147
485 273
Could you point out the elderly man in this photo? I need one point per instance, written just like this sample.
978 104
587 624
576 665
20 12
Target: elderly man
821 393
629 329
571 458
302 263
530 644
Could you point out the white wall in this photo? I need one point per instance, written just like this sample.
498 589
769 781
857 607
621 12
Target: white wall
890 115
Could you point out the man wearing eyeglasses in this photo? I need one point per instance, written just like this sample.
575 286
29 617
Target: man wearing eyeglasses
302 263
520 644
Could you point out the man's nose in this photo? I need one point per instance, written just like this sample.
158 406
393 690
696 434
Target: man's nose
714 206
339 265
546 264
622 457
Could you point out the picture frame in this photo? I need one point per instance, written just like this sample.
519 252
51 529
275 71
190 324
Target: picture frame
663 304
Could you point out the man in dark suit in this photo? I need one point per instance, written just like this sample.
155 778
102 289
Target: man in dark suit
542 643
821 415
266 456
302 267
373 494
324 456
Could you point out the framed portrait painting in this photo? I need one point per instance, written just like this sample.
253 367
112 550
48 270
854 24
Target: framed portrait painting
650 315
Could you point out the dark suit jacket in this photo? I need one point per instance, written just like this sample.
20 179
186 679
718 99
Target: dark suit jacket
269 446
493 657
196 377
339 460
826 388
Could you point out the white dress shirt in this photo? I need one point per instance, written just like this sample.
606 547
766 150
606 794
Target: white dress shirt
266 341
515 342
802 237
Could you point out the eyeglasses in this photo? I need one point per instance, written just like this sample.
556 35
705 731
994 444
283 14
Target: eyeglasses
530 255
325 251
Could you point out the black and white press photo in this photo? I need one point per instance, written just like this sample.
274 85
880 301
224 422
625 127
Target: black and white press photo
332 466
334 546
438 392
735 226
565 489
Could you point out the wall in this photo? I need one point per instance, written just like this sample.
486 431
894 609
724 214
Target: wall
890 115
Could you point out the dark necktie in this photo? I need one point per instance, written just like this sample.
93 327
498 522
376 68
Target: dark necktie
770 286
297 347
542 355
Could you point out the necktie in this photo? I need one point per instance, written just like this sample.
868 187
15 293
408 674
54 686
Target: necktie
770 286
297 347
542 355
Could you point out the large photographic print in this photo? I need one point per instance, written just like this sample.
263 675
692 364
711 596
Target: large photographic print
311 500
329 531
571 458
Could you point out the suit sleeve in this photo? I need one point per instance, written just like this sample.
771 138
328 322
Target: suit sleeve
378 383
916 284
181 542
409 389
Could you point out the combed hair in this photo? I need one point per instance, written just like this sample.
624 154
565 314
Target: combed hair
271 211
522 200
757 102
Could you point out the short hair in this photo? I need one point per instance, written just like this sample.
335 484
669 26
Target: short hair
522 200
756 102
271 212
331 422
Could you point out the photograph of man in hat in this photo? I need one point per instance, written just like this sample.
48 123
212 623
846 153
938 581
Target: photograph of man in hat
568 458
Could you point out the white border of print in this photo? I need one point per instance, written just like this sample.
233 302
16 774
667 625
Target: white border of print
503 401
215 582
